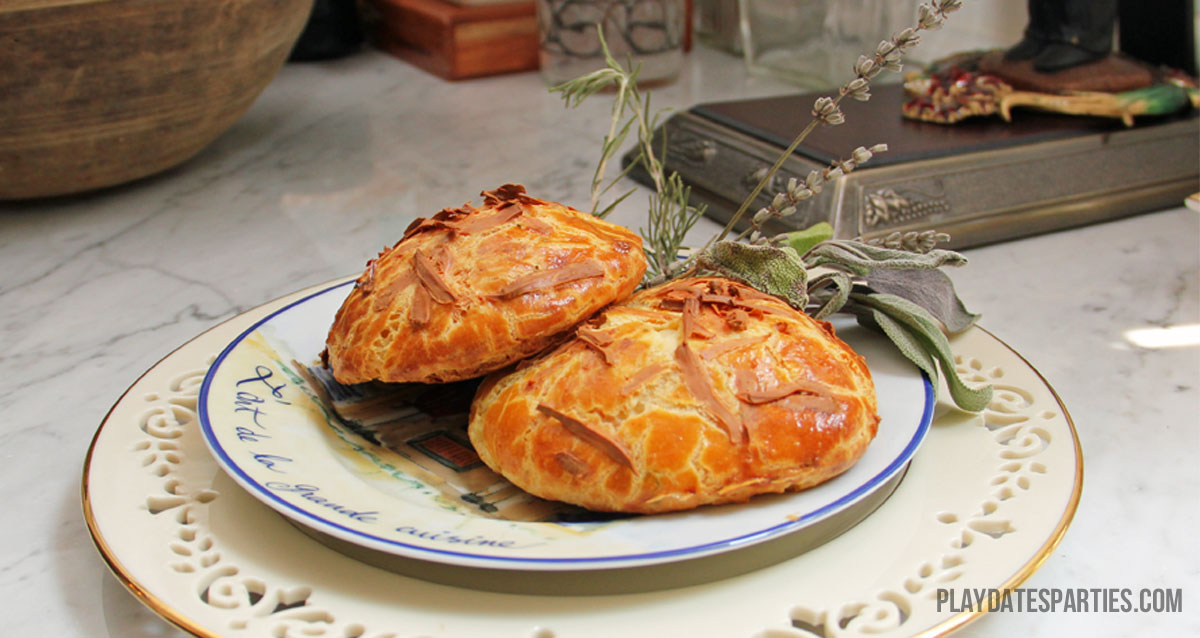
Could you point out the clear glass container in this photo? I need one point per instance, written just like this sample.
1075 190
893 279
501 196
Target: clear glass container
815 43
651 31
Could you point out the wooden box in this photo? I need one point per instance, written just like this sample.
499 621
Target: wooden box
458 41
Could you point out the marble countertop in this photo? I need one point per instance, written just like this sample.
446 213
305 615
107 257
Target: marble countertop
332 163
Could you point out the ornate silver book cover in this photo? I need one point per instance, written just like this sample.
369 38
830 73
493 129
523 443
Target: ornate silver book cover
981 182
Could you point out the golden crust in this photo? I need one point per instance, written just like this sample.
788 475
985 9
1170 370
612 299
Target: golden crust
700 391
471 290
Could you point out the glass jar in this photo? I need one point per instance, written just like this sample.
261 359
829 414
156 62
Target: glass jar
718 25
651 31
815 43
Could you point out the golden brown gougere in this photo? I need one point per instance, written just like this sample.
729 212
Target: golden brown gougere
471 290
696 392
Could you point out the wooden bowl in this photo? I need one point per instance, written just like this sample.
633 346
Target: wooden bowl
100 92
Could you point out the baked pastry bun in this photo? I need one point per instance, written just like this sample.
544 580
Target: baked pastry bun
700 391
471 290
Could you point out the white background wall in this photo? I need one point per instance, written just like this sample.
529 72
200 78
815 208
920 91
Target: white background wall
980 24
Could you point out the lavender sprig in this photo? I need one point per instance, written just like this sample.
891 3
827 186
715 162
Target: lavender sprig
787 201
827 111
912 241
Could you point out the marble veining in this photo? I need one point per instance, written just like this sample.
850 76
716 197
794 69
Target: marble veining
332 163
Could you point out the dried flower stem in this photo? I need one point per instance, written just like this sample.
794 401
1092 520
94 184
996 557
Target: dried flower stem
912 241
786 201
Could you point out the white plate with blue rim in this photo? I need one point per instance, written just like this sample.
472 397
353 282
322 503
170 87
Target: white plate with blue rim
397 476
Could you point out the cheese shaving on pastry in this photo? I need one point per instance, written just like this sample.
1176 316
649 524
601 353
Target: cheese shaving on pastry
700 391
471 290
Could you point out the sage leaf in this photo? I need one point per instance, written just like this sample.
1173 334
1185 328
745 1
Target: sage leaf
905 342
932 290
774 270
803 241
829 303
925 331
862 259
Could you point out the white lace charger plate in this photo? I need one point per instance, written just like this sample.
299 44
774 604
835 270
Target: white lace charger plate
983 503
270 431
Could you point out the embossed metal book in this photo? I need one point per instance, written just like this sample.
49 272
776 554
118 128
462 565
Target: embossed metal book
982 180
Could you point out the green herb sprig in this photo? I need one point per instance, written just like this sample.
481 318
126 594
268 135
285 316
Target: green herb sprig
670 215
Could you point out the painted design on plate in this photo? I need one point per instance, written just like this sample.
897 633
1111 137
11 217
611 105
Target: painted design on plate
416 434
278 401
247 602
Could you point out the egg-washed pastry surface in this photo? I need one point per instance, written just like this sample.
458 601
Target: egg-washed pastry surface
701 391
470 290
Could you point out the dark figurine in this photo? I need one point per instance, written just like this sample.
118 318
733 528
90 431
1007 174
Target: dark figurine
1066 33
1066 63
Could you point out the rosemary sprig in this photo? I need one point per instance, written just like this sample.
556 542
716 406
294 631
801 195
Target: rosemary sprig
574 92
668 220
670 215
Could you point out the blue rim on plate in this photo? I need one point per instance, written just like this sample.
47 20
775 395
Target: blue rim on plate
313 517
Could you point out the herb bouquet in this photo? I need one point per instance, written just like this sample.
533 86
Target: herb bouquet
893 285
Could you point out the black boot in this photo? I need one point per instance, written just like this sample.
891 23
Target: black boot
1042 18
1085 35
1059 56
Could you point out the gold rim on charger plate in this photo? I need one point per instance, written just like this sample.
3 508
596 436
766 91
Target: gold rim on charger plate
944 628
